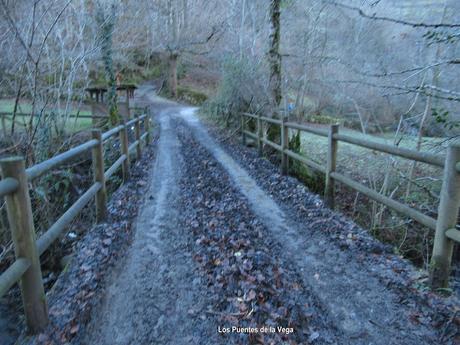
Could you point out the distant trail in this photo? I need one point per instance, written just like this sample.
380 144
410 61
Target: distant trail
151 292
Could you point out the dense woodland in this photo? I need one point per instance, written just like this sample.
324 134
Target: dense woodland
387 68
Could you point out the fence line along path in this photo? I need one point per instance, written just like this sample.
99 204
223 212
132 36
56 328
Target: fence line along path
445 226
14 186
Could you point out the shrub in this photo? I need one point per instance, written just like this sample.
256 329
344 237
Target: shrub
191 96
242 89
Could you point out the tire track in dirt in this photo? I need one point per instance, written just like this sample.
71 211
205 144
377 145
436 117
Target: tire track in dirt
251 284
150 292
366 311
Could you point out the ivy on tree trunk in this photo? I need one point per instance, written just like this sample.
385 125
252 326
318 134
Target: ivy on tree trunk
274 56
172 78
106 23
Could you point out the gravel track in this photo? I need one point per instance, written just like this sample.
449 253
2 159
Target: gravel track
224 241
148 298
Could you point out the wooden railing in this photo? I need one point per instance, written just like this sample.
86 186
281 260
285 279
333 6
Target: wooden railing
14 186
445 225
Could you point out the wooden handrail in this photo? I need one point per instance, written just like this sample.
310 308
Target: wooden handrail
111 133
453 234
8 185
450 194
313 130
56 161
393 204
115 166
424 157
14 186
13 274
56 229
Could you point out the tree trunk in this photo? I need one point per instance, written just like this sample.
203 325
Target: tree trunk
172 79
274 55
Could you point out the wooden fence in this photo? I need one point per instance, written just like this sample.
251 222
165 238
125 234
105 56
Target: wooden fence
445 225
96 118
14 186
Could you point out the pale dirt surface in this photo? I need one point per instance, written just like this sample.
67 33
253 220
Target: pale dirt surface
152 291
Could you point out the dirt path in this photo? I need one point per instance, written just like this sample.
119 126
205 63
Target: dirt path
152 290
179 282
366 311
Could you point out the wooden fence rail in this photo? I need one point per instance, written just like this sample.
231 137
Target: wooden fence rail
446 223
14 187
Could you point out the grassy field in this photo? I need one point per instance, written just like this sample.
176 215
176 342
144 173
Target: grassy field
352 157
72 125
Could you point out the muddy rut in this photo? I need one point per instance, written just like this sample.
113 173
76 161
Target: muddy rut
216 259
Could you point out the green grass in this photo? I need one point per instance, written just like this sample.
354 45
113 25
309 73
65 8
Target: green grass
7 106
355 157
72 124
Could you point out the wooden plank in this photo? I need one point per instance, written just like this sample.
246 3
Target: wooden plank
13 274
20 218
147 128
393 204
59 226
144 137
313 130
259 135
54 162
132 122
115 166
329 185
133 146
111 132
124 148
272 144
284 147
8 185
306 161
449 204
250 134
271 120
424 157
137 133
99 177
453 234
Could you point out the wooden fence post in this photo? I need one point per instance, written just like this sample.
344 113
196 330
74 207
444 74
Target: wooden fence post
147 128
98 172
243 128
5 132
124 148
284 146
137 129
447 219
259 134
21 222
329 186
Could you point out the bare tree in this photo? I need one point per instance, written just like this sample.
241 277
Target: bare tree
274 56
